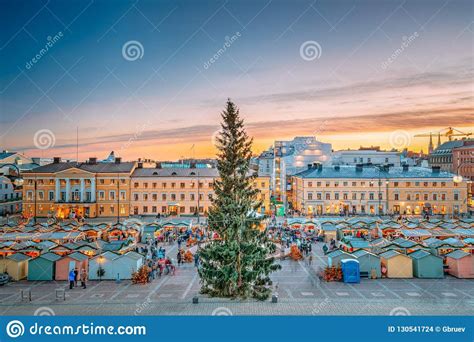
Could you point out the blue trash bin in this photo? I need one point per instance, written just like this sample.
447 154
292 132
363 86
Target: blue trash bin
350 271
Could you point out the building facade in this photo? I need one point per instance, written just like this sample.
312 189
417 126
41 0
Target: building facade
366 156
10 196
181 191
65 189
337 190
443 155
291 157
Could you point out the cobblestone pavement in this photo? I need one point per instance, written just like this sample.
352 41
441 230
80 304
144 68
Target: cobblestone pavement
300 292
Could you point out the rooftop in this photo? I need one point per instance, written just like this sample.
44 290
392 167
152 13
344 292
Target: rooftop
125 167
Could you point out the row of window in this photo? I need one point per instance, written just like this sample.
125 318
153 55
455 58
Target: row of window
372 184
172 197
75 196
52 181
164 209
426 197
11 196
345 196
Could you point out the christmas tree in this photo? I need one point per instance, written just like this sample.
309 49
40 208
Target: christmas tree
238 265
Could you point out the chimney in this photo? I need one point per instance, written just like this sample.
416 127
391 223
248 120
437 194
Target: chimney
337 167
310 166
359 167
56 160
92 160
436 169
140 165
192 165
405 167
118 160
158 165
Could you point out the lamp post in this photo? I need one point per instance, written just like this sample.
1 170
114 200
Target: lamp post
198 195
379 168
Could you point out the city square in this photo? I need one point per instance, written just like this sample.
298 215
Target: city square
299 290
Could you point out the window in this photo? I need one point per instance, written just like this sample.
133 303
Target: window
362 196
51 196
336 196
328 184
145 209
328 196
145 185
182 185
425 197
163 185
435 184
425 184
354 183
443 184
182 197
163 197
396 196
310 184
456 196
318 184
435 197
154 197
163 209
153 185
319 196
345 196
345 183
181 210
354 195
145 197
408 197
153 209
173 197
371 196
407 184
192 197
101 181
443 197
173 185
102 195
123 195
417 197
310 196
112 209
112 195
135 197
395 184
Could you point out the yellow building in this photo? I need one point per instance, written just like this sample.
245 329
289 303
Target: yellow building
175 190
70 189
334 190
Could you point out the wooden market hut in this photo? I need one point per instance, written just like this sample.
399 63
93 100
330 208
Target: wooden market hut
460 264
369 263
397 265
329 231
427 265
69 262
126 264
16 265
106 262
335 257
43 267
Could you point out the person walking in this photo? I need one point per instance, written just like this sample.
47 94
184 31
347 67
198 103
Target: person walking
76 274
83 278
196 260
71 278
179 257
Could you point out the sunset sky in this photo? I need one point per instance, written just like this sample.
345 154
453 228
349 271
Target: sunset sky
385 67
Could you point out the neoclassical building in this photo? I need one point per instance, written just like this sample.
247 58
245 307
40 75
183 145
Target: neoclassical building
88 189
181 190
334 190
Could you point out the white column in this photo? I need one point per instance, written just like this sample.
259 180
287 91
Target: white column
58 189
83 190
93 190
68 189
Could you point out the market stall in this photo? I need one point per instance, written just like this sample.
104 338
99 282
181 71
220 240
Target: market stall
426 265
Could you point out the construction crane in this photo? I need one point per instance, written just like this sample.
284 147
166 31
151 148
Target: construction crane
448 132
